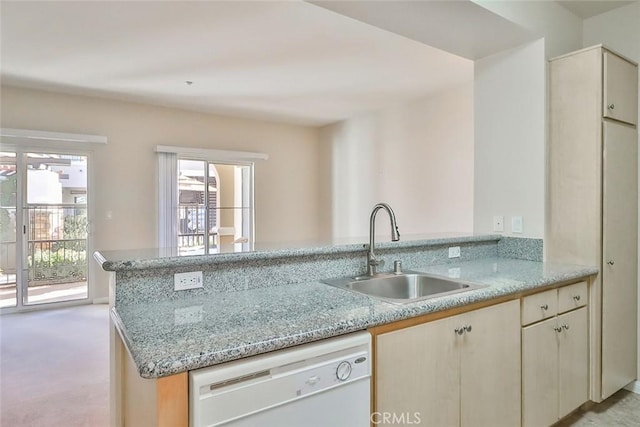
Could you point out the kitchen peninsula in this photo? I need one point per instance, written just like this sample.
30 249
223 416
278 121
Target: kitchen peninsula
257 302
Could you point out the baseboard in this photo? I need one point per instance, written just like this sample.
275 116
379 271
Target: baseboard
102 300
634 387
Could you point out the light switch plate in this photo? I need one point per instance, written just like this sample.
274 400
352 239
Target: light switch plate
516 224
498 223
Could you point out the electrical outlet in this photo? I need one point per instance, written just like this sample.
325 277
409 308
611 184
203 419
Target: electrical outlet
189 280
454 252
498 223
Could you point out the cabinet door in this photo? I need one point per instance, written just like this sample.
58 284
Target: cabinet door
418 371
620 89
620 257
540 374
490 374
573 377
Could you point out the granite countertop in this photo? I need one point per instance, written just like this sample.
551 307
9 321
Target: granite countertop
175 336
168 257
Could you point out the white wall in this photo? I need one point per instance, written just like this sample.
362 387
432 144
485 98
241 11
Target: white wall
417 156
620 31
509 110
286 186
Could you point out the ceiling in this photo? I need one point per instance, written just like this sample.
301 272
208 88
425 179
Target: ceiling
587 9
290 61
463 28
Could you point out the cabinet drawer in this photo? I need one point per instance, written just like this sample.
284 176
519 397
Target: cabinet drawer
572 296
539 306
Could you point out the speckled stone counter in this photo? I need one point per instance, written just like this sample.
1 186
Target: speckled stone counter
147 276
173 336
142 259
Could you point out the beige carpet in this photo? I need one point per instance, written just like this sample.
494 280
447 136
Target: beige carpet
54 368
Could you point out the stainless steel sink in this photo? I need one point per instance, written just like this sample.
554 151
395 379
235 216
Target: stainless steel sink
402 288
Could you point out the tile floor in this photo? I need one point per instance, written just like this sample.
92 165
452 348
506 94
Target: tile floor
620 410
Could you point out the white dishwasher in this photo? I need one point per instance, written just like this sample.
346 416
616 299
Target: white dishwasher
326 383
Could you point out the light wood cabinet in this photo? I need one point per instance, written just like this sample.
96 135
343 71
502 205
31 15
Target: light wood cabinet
463 370
555 359
573 365
620 100
620 260
540 374
592 200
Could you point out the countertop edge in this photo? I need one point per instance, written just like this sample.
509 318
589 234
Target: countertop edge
181 261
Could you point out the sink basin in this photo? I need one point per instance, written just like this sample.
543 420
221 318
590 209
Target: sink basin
402 288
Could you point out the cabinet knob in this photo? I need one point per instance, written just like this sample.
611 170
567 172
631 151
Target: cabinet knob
610 262
576 297
566 327
611 106
544 306
558 329
459 331
467 328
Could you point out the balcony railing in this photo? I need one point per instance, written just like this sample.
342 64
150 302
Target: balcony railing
57 261
56 246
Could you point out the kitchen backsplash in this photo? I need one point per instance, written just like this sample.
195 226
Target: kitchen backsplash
520 248
155 282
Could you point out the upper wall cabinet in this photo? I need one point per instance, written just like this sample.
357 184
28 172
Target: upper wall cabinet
620 101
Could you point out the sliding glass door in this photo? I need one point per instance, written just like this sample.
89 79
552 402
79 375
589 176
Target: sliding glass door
45 228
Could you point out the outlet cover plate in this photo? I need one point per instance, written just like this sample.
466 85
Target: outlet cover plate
454 252
189 280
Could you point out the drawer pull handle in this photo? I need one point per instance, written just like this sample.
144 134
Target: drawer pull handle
544 307
576 297
566 327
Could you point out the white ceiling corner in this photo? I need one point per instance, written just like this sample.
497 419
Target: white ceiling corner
590 8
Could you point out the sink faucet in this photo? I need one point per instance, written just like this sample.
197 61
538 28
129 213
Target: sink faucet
372 262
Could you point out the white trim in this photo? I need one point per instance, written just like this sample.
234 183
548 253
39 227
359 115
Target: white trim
101 300
20 134
208 154
634 387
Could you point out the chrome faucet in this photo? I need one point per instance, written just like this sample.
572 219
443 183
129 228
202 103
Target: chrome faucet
372 262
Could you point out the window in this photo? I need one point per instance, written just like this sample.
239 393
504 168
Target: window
206 200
